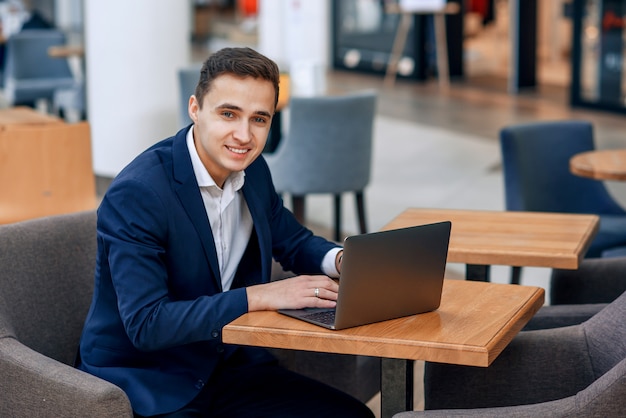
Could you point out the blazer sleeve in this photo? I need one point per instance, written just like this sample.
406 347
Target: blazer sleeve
294 246
165 289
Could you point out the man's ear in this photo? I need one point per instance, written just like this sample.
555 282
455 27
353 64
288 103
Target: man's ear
193 108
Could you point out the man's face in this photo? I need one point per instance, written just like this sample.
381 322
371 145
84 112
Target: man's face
231 129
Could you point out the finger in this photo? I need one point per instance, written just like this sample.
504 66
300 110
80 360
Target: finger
322 293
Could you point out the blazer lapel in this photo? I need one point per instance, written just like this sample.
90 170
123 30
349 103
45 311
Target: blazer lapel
186 187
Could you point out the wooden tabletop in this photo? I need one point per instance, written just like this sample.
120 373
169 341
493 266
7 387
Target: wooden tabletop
474 323
600 165
535 239
66 51
23 115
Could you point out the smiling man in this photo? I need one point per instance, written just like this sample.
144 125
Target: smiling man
186 236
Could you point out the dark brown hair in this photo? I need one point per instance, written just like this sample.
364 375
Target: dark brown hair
240 62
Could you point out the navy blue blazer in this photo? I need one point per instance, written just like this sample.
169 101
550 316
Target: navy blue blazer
154 326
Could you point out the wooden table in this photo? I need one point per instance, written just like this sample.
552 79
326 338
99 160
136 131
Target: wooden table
474 323
600 165
66 51
23 115
483 238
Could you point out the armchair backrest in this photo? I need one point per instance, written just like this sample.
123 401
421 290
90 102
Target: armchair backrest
187 80
606 336
30 72
46 282
535 159
328 147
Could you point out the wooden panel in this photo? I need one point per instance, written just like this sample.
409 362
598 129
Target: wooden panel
45 170
474 323
23 115
510 238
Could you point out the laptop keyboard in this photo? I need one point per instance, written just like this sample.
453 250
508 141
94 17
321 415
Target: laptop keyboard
324 317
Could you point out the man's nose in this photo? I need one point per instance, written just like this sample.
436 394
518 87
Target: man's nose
242 131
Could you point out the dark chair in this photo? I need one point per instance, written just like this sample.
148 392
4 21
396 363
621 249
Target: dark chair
579 294
328 150
574 371
187 80
535 159
31 74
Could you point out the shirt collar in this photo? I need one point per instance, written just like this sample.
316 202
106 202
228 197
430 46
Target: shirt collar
203 177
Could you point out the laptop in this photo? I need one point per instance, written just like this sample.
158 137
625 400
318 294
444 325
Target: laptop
386 275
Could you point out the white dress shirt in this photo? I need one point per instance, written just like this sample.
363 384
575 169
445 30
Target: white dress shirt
230 218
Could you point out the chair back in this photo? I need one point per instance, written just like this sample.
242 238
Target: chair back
45 170
606 336
187 80
535 160
328 147
46 282
30 72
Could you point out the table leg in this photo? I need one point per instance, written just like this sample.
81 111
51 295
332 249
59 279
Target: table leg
396 386
477 272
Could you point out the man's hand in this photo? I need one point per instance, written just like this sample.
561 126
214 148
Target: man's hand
294 293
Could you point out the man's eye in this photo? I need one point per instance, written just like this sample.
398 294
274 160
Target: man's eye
228 114
260 120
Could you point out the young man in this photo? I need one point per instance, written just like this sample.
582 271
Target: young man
186 236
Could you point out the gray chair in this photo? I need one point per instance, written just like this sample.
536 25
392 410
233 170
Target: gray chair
31 74
574 371
46 282
327 150
187 80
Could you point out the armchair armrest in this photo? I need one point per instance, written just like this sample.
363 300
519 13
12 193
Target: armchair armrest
537 366
35 385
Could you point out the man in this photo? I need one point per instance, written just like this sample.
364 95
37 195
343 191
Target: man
186 236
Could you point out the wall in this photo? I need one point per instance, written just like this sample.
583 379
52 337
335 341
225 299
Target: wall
133 51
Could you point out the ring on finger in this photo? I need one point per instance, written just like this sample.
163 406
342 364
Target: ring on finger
317 292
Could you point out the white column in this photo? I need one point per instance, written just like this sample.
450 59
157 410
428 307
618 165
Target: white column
294 30
133 51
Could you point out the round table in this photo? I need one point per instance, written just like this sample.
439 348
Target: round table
600 165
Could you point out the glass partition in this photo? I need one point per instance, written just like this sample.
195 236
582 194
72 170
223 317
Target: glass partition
363 36
598 77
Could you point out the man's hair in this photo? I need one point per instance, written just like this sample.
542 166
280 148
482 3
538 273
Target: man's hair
240 62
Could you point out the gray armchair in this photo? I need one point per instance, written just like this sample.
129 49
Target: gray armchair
46 282
575 371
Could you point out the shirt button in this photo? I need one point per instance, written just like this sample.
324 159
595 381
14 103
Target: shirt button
199 384
220 349
215 334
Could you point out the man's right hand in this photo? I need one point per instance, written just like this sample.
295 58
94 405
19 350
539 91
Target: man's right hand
293 293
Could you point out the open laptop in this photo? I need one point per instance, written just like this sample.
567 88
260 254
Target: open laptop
386 275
